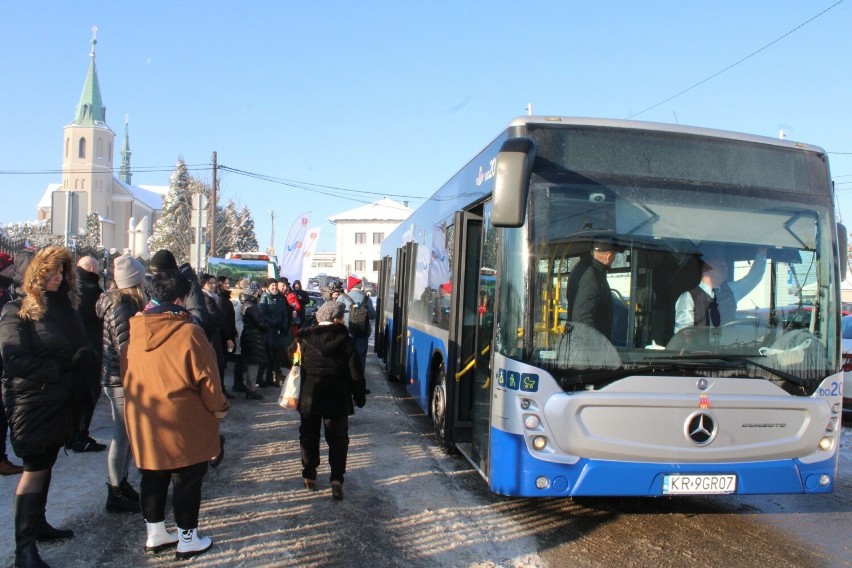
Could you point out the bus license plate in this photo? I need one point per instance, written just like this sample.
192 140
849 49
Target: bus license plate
699 484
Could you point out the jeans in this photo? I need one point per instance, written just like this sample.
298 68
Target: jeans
337 438
253 373
186 494
118 459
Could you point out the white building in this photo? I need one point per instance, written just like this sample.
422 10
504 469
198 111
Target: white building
360 233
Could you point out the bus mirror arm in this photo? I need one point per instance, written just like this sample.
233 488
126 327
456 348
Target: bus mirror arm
512 182
843 249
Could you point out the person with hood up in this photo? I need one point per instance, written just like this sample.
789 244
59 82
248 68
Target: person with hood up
7 270
332 379
173 405
115 308
46 361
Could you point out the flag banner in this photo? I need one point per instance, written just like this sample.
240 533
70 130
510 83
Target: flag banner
308 256
292 254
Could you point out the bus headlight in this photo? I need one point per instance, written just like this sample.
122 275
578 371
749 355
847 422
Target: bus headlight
824 444
824 480
539 442
531 422
542 482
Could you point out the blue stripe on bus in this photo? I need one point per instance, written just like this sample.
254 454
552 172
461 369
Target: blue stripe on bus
514 471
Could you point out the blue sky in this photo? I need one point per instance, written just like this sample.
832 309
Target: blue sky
392 98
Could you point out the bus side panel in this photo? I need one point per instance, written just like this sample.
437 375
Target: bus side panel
421 347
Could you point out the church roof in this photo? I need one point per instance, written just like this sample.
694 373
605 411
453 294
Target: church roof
91 110
383 210
150 196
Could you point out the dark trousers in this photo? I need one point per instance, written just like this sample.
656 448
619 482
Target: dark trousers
337 438
186 494
4 427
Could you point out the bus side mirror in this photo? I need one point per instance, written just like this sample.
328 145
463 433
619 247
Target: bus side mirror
512 182
843 246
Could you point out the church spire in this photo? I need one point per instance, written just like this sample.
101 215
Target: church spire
124 172
91 110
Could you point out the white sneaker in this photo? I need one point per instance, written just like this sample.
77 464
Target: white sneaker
159 538
190 544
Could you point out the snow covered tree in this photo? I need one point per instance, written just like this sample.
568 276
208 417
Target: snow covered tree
245 240
36 233
92 239
173 231
227 227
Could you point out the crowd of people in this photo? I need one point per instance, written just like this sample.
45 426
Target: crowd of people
157 343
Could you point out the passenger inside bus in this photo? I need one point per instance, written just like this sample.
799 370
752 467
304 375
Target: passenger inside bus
588 295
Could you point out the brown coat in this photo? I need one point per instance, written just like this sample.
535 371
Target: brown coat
172 392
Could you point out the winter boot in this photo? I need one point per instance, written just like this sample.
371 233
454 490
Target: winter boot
118 502
191 544
128 491
159 538
27 520
47 533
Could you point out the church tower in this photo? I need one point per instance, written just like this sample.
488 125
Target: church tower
88 149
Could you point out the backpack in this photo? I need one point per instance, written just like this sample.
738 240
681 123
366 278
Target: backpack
359 320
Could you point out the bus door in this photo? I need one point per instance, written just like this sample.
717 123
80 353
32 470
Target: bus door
406 257
469 392
382 296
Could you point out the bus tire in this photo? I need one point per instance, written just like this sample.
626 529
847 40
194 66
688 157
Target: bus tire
439 407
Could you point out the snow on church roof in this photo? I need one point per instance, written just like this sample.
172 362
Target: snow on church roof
383 210
151 196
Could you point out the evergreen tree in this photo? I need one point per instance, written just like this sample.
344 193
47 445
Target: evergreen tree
36 233
227 227
246 239
173 231
92 239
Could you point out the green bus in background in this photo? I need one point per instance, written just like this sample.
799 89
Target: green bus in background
255 266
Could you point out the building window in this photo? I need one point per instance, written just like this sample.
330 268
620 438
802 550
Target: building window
360 238
100 148
377 265
67 147
81 148
360 265
378 238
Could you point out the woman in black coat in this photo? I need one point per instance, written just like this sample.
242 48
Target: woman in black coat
332 379
252 340
46 361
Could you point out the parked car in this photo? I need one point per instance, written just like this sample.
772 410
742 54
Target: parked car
846 333
311 308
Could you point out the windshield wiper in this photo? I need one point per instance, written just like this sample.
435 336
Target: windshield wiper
747 359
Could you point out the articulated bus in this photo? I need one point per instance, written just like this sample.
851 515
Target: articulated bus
474 315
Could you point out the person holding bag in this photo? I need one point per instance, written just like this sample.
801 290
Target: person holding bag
332 379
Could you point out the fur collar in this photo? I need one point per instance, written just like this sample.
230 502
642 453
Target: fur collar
44 263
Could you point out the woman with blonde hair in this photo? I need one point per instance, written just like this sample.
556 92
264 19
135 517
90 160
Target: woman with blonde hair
45 351
115 308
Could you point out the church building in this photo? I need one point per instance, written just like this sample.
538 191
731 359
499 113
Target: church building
126 212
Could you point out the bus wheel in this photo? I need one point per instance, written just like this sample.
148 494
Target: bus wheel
439 407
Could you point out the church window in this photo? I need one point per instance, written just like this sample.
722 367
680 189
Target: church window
67 147
81 151
100 149
83 184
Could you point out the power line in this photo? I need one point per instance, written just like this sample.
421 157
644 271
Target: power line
729 67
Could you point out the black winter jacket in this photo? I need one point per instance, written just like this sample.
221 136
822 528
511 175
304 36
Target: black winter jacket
253 339
90 289
276 313
115 310
39 373
227 307
216 326
332 377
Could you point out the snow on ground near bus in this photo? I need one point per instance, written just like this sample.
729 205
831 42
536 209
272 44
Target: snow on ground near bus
406 503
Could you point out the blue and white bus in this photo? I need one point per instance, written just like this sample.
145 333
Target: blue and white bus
474 314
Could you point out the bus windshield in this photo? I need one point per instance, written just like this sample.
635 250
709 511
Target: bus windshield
638 272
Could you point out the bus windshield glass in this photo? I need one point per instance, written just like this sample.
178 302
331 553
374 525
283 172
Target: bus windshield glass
707 257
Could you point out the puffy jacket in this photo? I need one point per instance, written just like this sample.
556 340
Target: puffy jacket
115 309
332 377
90 289
42 338
253 338
276 314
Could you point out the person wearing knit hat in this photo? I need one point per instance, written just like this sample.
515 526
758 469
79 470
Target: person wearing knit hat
7 269
128 272
115 308
163 260
330 311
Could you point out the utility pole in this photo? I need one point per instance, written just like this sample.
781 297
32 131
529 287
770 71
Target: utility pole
271 249
213 207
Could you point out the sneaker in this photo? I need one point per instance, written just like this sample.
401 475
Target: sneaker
337 490
88 444
8 468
